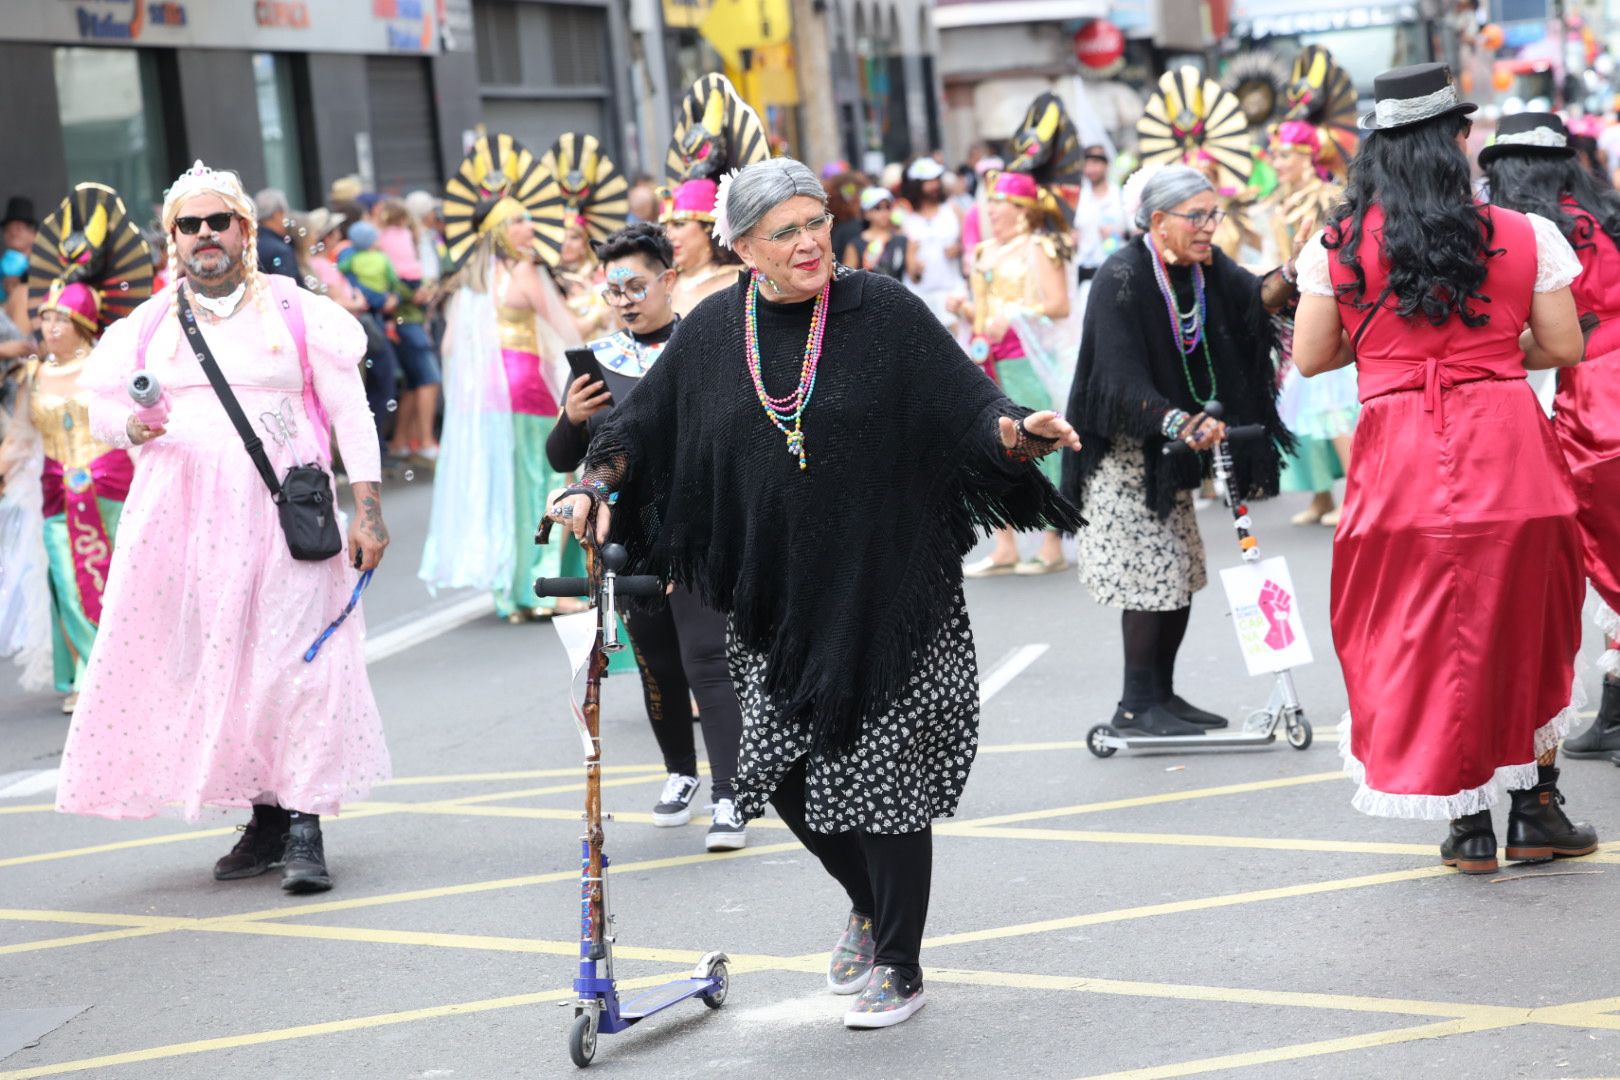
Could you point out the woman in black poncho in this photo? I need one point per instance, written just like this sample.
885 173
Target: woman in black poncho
1171 323
829 522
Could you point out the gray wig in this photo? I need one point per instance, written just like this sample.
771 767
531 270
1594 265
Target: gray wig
760 188
1169 188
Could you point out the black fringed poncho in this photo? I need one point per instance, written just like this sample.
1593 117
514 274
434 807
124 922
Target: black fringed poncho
840 573
1130 374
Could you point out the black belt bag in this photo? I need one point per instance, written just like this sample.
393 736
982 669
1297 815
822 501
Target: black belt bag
304 496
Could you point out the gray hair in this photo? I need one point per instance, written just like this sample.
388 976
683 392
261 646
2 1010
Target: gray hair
1169 188
271 203
761 188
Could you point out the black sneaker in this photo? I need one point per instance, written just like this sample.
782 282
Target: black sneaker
260 847
727 832
304 863
1153 720
887 1000
1179 707
674 807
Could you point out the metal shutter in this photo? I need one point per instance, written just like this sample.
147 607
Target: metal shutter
404 138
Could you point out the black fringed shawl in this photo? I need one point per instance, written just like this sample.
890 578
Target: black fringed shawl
1130 374
840 574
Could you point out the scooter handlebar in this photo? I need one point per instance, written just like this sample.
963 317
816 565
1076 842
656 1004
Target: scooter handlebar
1243 433
638 585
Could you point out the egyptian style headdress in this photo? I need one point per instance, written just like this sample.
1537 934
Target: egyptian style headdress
1258 80
1043 166
498 179
1193 120
89 261
1322 94
581 185
716 132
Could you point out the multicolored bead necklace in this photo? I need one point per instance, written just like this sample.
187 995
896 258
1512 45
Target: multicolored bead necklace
1187 328
783 411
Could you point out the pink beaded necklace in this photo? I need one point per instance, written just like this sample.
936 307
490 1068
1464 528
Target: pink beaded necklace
783 411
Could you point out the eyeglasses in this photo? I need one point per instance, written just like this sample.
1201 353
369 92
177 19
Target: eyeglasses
634 294
819 223
1204 219
219 222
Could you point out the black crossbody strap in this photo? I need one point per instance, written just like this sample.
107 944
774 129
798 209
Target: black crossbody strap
1378 305
233 409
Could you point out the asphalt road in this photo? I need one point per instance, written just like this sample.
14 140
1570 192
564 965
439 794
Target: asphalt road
1150 915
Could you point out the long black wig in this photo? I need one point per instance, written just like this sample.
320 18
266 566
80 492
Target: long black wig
1435 238
1534 183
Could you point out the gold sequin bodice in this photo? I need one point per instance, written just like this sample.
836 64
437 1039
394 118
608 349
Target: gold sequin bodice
1003 276
63 424
517 329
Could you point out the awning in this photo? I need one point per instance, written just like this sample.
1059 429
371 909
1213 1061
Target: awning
949 14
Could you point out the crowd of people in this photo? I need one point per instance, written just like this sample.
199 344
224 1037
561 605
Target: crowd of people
938 355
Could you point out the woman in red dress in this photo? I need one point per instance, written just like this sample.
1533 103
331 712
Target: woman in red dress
1457 575
1532 168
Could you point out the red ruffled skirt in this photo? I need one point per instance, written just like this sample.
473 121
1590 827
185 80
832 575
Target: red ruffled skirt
1588 427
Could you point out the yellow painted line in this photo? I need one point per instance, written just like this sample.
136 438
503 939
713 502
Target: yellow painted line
80 939
554 789
94 918
1155 800
1311 1049
526 774
1268 843
31 808
1179 907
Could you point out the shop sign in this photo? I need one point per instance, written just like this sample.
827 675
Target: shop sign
350 26
1099 46
285 13
124 20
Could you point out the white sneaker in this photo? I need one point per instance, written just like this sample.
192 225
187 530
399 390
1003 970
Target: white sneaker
674 807
728 831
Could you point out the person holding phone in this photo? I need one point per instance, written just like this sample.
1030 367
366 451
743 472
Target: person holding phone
681 645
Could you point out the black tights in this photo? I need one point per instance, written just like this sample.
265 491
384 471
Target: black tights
1152 639
887 875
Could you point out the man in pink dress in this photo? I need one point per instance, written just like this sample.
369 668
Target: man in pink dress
199 694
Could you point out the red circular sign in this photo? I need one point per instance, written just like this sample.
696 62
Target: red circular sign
1099 44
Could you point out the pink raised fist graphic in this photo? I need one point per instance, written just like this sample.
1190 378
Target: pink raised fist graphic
1275 604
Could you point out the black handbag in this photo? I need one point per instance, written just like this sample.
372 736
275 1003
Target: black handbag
304 496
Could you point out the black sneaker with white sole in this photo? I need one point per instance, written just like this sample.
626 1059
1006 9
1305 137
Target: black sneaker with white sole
674 807
887 1000
726 830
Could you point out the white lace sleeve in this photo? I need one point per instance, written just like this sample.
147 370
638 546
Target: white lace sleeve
1311 266
1556 262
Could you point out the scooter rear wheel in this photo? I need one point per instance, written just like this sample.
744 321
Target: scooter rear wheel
1299 732
721 975
1095 744
582 1039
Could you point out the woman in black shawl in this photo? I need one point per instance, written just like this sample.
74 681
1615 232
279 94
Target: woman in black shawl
829 523
1171 323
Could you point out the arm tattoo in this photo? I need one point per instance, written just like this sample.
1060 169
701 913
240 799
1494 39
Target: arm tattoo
371 514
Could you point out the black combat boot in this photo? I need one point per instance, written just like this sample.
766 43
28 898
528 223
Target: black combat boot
1603 737
304 862
1539 830
1471 847
260 848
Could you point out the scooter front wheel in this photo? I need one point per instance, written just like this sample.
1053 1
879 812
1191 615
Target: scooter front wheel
721 974
582 1039
1299 732
1094 741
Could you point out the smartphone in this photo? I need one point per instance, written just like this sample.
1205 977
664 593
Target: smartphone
584 362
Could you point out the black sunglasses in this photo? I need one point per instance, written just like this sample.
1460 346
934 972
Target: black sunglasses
191 226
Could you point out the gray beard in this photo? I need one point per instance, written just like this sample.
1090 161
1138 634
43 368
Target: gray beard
214 286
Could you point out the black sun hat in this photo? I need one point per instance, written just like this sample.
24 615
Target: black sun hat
1537 134
1412 95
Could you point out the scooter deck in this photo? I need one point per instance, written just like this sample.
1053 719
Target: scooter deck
660 998
1149 742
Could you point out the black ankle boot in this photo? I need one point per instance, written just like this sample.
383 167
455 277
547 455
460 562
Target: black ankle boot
260 847
1539 830
1164 692
1471 846
304 863
1153 720
1602 738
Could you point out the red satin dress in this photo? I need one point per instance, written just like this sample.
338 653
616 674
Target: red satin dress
1457 575
1587 415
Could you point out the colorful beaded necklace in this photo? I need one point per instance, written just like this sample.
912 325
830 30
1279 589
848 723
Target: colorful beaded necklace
1187 328
783 411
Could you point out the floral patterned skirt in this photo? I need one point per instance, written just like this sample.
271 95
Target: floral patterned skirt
907 768
1129 558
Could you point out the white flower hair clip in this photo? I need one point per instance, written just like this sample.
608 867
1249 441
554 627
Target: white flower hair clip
1130 195
722 220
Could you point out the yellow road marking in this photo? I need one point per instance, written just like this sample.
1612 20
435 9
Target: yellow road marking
1155 800
1310 1049
1270 843
31 808
118 845
525 774
80 939
1179 907
555 789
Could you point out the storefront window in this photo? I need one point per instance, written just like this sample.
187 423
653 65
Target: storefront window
278 120
112 123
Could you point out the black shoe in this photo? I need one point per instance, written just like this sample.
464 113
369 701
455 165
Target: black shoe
304 863
1178 707
1153 720
260 848
1602 738
1471 847
1539 830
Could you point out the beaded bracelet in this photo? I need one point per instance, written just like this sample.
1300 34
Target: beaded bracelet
1175 422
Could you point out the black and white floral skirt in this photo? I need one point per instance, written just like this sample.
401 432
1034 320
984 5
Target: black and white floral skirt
906 769
1129 558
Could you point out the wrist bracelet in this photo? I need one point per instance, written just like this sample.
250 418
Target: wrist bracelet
1175 422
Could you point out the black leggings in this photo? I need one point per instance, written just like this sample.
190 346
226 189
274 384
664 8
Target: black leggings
887 875
1152 639
681 648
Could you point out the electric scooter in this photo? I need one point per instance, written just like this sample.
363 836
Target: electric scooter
1283 709
598 1008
